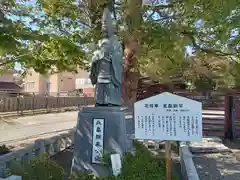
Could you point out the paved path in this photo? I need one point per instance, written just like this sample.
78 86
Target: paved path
217 161
32 126
219 165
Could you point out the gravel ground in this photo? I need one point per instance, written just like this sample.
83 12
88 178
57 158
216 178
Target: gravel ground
65 160
32 126
217 166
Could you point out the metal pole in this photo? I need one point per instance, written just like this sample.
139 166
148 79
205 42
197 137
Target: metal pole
33 103
95 90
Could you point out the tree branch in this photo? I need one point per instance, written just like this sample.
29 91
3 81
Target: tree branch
167 17
7 62
191 35
16 59
160 6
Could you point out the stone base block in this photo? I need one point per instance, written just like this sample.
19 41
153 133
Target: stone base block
89 126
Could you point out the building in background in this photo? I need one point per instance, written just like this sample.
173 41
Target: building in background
62 83
35 83
59 84
83 84
7 76
7 82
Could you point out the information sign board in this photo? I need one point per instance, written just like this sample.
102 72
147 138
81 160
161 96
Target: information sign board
168 117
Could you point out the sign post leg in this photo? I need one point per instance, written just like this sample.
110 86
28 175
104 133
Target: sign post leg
168 160
95 92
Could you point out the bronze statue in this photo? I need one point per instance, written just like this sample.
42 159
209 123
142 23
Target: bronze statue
107 66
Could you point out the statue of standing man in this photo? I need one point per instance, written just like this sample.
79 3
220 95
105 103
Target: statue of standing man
107 65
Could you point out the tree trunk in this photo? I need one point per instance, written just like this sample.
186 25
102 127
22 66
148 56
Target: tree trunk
131 73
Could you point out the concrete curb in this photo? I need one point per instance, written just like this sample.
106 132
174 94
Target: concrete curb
188 168
51 146
14 114
13 177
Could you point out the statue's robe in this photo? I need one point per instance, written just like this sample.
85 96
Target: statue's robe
106 73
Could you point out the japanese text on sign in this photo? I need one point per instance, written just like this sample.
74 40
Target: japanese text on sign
168 117
97 140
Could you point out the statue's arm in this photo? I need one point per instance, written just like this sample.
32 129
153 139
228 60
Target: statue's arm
94 70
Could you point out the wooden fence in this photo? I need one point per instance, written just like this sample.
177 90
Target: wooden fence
221 115
25 103
213 112
236 115
233 101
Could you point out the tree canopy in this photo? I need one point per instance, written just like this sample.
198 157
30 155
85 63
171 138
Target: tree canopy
61 33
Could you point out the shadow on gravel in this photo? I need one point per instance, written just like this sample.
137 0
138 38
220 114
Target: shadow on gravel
4 150
65 160
221 166
177 170
8 122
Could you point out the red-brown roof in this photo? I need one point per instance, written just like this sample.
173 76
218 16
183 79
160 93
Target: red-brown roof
9 86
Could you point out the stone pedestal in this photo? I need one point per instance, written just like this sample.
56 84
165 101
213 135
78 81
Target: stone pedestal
91 121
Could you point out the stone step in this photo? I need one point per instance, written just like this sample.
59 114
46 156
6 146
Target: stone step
208 145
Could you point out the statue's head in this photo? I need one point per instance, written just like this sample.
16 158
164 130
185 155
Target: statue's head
104 44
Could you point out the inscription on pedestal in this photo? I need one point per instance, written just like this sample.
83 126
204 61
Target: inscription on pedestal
98 133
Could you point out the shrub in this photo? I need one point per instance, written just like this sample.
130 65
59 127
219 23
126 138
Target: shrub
40 168
4 150
142 165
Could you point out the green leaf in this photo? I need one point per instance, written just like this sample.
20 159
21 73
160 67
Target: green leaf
2 52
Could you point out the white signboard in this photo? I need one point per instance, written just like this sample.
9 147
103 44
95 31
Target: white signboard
116 164
168 117
97 140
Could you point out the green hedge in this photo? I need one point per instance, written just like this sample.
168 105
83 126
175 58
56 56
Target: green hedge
142 165
41 168
4 150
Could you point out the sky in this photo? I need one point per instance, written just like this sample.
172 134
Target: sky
154 2
25 20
